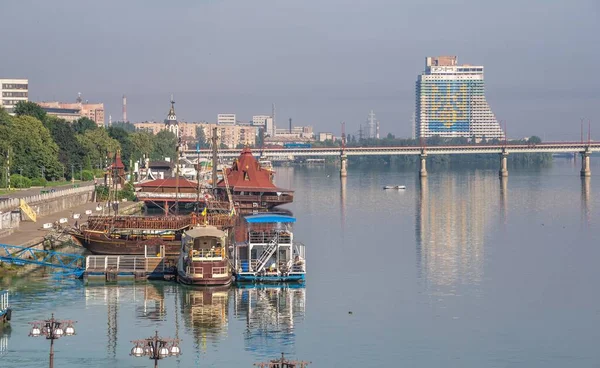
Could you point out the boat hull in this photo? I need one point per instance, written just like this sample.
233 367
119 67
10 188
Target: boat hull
102 245
201 281
248 277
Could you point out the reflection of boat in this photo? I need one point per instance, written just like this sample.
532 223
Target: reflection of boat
5 310
394 187
203 257
206 310
271 313
269 253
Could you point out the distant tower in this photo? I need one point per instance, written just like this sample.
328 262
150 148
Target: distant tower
371 125
377 133
124 108
78 99
290 125
171 122
109 120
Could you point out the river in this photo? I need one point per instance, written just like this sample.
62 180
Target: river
460 270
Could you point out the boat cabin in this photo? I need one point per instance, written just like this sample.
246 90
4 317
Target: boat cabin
269 252
203 258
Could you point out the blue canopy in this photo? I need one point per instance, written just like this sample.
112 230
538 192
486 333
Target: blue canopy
269 218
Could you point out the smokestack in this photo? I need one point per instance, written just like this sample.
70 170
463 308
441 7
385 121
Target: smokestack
124 108
109 120
377 134
274 123
290 125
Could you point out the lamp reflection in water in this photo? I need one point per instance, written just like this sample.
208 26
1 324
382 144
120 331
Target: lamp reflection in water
4 335
452 217
156 348
271 313
52 329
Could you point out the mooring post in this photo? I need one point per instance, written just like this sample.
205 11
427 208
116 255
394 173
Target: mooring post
344 165
423 171
585 163
503 164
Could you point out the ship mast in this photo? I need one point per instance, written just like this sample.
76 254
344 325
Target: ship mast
214 161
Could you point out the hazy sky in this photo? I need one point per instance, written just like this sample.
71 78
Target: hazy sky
320 61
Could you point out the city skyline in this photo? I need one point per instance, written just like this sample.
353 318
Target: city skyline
313 60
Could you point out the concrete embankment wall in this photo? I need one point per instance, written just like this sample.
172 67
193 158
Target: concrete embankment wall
43 205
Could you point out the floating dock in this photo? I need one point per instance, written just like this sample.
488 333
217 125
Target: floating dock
128 267
5 311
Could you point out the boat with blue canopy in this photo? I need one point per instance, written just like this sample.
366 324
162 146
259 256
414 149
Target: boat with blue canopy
269 253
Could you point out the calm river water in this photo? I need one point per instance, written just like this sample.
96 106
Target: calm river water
462 270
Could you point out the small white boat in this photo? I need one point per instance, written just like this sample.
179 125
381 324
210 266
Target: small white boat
394 187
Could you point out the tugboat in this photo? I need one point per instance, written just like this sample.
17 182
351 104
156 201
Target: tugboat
269 253
203 257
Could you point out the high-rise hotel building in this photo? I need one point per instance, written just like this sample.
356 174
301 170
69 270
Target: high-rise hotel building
451 102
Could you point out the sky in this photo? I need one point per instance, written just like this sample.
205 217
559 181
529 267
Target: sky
320 62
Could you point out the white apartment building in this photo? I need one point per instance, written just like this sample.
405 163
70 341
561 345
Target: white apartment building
12 91
226 119
266 122
450 102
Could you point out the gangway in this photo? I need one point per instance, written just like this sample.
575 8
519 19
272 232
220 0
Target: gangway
48 258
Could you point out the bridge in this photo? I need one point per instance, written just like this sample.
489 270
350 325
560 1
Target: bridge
31 256
503 150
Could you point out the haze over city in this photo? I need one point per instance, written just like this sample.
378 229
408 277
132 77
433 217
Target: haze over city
320 62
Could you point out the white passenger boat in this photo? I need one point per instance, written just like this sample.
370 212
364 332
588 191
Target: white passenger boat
394 187
269 253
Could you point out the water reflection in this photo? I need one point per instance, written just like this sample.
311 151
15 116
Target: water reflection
205 312
4 335
154 303
503 198
585 199
270 314
343 183
452 216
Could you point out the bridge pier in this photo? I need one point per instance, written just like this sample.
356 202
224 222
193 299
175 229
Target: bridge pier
423 171
585 163
503 164
344 165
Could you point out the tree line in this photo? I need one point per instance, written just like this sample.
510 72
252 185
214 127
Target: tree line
38 147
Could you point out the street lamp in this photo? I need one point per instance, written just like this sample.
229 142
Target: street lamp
52 329
156 348
72 173
80 173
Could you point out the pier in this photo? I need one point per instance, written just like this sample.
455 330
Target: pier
127 267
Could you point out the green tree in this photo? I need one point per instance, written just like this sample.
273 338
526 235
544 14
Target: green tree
201 138
164 145
33 149
98 145
26 108
71 152
122 136
126 126
142 143
534 139
84 124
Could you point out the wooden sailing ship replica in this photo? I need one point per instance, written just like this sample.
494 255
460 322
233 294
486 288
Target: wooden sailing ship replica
252 186
116 234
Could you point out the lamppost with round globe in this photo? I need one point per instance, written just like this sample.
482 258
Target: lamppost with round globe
156 348
52 329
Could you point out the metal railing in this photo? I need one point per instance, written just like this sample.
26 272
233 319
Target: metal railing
124 264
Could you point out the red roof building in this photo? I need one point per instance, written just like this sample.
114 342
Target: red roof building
252 186
169 185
